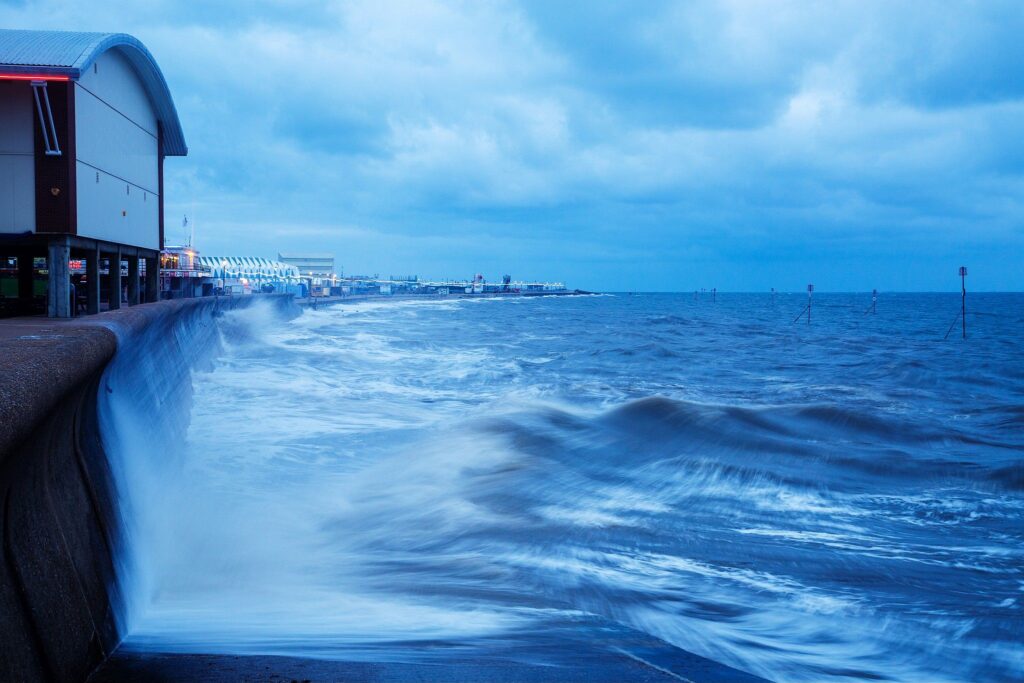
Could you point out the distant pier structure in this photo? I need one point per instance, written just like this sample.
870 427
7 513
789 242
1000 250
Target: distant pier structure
86 120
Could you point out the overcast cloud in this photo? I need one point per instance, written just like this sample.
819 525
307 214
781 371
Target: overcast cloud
633 145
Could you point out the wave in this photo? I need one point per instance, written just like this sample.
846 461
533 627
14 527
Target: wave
366 482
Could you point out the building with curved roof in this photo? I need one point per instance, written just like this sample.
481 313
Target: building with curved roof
86 120
70 54
253 268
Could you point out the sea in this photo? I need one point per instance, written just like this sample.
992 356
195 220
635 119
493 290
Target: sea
832 499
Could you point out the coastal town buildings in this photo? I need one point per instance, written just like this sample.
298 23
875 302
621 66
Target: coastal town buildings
318 265
183 275
86 120
247 274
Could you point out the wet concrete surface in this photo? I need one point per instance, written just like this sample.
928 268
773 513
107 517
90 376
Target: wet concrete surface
578 649
577 666
41 360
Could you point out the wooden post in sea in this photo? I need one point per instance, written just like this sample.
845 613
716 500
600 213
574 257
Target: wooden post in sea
874 300
963 300
810 291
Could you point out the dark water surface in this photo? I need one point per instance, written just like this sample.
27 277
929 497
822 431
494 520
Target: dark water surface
826 502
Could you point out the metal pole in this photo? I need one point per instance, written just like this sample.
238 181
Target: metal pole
963 300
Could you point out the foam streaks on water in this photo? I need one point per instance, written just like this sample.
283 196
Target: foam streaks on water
836 502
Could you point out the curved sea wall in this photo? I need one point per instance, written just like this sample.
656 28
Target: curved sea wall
88 409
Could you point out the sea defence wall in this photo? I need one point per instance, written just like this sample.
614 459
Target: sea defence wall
63 598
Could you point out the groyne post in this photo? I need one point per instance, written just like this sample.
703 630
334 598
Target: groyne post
810 292
963 301
874 300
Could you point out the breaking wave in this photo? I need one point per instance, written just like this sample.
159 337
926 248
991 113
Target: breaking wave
836 503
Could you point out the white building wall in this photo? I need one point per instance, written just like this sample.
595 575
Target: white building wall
17 162
112 78
111 209
117 155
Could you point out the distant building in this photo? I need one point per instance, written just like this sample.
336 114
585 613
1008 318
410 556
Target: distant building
310 264
183 275
86 120
250 271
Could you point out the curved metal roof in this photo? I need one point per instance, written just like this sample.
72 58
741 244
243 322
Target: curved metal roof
239 265
69 53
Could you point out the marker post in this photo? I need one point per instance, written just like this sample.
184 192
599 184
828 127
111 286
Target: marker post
810 291
963 300
963 306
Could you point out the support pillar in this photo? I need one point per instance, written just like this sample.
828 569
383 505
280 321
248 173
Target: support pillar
133 280
92 281
152 279
58 291
26 279
114 280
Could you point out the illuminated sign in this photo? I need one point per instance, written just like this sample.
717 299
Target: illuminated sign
24 77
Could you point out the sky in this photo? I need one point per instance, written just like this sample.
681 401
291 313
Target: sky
647 146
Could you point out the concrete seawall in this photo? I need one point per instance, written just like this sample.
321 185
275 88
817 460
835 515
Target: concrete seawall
61 601
91 412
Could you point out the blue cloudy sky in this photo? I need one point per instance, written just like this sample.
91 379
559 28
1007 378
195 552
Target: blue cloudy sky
632 145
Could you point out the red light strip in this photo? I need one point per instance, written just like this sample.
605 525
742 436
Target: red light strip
20 77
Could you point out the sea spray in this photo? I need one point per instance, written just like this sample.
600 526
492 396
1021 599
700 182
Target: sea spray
144 404
403 481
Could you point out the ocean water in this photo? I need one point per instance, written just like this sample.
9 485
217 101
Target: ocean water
836 501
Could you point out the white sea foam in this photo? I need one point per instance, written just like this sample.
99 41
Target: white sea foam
462 469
